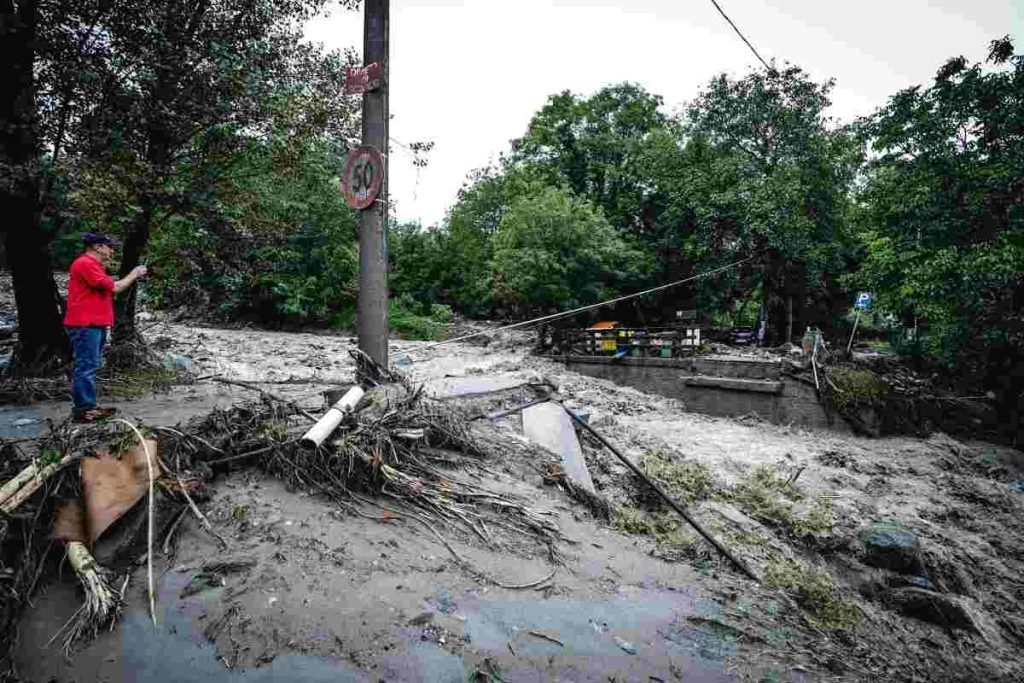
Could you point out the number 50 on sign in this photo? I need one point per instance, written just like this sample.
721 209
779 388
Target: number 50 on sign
363 177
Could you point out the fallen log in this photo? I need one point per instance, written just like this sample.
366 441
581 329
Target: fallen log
22 478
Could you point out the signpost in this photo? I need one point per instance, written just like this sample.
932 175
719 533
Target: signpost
363 177
862 303
366 180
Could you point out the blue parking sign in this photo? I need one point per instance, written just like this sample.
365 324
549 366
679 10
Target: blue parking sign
863 300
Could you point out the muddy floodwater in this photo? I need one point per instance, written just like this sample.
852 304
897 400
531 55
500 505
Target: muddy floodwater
317 593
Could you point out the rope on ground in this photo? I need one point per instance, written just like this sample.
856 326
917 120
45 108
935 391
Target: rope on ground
149 534
581 309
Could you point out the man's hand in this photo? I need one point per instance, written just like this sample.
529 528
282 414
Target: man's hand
129 279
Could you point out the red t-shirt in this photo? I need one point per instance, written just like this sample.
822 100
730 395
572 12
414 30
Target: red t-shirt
90 294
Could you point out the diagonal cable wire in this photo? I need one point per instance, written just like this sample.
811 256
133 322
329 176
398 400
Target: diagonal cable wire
600 304
740 34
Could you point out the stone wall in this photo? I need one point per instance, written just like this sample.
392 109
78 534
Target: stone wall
764 391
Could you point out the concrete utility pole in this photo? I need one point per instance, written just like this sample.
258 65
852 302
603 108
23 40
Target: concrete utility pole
372 301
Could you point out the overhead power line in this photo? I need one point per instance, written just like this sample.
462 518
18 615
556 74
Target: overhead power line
581 309
740 34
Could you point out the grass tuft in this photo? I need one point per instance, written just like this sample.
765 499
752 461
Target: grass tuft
816 591
768 497
819 518
765 495
855 388
667 531
689 481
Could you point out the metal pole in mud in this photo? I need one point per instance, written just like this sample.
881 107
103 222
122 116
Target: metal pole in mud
372 297
740 564
849 344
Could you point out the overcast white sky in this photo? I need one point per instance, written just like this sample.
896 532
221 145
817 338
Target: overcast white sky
469 74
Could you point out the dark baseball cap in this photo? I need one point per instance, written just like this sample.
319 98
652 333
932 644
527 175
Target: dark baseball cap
99 239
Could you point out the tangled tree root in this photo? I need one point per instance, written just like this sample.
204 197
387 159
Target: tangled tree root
103 601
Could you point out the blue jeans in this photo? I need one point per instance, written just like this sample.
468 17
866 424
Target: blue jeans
87 347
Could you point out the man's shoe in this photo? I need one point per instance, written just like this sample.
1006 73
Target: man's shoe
87 416
91 415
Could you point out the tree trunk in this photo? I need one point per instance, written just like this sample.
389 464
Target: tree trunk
42 343
158 155
789 317
41 339
134 245
773 283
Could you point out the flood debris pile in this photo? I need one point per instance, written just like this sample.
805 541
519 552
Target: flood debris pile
56 505
414 452
24 538
400 454
862 549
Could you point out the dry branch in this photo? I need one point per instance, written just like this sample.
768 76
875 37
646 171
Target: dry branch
264 392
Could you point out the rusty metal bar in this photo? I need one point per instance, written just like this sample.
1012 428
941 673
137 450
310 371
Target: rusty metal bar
740 564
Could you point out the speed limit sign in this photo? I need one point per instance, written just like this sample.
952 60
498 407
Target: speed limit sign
364 175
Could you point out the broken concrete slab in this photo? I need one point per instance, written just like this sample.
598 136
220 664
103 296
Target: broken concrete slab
548 425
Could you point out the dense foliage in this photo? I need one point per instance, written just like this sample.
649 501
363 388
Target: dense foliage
209 123
941 213
919 202
752 169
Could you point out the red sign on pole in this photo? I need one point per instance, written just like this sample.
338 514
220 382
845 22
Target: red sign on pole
363 79
364 175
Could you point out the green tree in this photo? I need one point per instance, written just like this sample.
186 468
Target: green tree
943 217
460 253
553 250
765 173
594 146
182 88
274 240
417 261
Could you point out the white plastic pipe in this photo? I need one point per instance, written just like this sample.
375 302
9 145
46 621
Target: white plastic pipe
330 421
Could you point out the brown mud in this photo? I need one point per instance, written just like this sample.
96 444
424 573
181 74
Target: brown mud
307 591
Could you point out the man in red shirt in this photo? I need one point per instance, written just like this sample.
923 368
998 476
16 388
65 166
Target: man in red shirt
89 315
